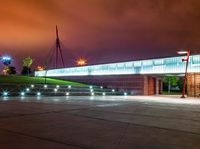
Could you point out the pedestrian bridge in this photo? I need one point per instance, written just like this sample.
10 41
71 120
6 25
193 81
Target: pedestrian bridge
170 65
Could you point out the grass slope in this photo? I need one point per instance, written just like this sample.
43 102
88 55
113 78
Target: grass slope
35 80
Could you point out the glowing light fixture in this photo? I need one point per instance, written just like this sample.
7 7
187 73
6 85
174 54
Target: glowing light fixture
69 87
27 89
125 94
67 94
40 68
22 93
104 94
81 62
182 52
55 90
113 90
6 60
5 93
91 90
101 87
91 87
92 93
32 86
38 94
57 86
45 86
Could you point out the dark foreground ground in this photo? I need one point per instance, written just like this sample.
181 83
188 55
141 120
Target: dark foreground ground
99 123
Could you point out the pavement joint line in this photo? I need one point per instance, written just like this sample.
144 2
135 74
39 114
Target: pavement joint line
40 113
45 139
137 114
130 102
101 119
122 136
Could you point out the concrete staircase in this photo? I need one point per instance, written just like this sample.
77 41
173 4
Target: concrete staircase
56 90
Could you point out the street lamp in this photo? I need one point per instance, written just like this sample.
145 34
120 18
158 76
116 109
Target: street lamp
185 52
81 62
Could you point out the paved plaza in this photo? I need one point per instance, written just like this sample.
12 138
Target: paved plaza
132 122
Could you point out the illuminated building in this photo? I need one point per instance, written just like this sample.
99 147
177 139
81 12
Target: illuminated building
143 74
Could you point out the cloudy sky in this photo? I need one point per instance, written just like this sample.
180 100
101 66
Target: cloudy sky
100 30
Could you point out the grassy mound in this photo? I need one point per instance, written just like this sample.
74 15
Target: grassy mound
36 80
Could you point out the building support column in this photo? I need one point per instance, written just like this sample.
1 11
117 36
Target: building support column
157 86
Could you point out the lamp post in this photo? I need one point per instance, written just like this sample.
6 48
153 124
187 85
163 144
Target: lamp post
185 52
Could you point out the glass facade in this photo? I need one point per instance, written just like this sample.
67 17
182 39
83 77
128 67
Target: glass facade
172 65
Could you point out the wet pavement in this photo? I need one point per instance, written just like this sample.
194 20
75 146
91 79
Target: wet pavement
98 122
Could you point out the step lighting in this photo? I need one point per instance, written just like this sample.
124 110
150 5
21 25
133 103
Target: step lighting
101 87
91 87
125 94
113 90
22 93
104 94
27 89
32 86
45 86
91 90
92 93
67 94
57 86
5 93
69 87
55 90
38 94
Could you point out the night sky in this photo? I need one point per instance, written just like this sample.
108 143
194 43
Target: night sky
100 30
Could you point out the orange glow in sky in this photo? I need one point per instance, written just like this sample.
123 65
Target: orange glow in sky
102 30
